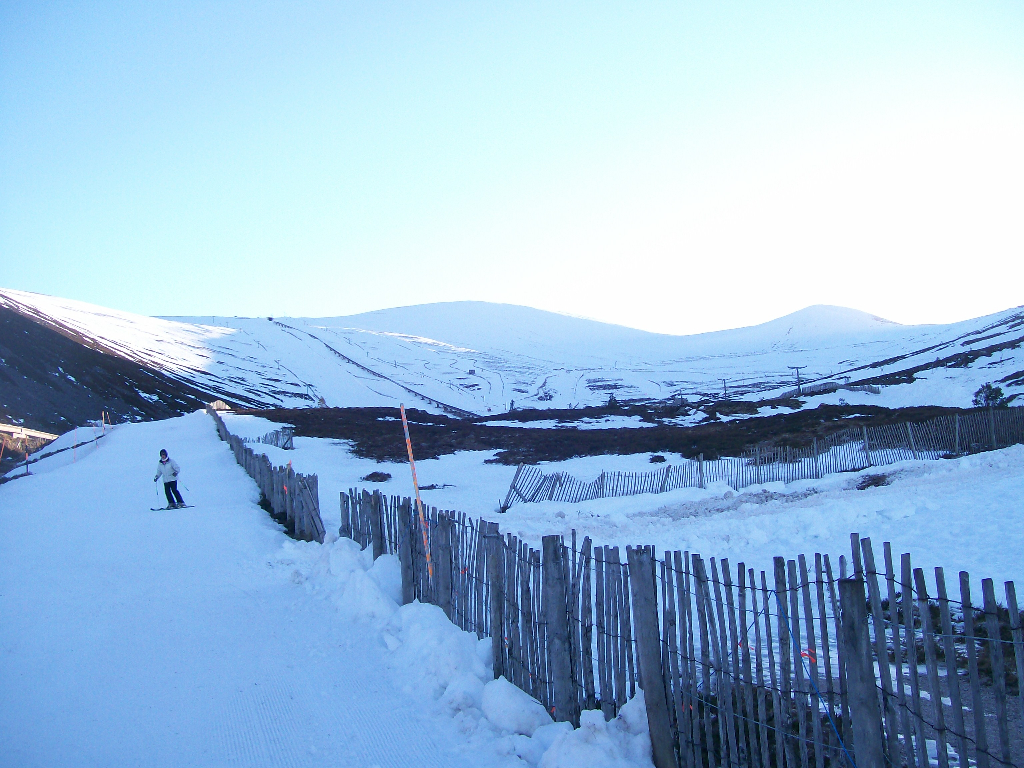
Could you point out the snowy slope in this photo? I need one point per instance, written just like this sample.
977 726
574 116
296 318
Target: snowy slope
477 358
207 637
254 362
541 359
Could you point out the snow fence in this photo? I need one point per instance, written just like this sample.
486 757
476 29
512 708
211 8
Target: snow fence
801 666
56 445
973 431
797 667
293 498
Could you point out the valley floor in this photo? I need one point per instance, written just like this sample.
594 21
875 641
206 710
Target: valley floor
962 514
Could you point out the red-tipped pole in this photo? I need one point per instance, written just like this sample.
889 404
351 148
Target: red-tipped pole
416 487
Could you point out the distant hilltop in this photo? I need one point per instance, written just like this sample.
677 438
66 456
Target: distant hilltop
479 358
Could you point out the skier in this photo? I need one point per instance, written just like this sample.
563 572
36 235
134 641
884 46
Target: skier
168 469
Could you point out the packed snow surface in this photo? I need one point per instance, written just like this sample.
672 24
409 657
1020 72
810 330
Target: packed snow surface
206 637
482 358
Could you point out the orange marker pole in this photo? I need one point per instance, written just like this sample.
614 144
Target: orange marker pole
416 487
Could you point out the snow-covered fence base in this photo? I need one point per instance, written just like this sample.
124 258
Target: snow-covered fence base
293 497
974 431
737 668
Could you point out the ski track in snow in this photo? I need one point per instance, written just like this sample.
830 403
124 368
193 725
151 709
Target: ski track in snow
145 638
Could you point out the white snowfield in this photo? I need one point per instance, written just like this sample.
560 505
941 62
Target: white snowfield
206 637
962 514
481 357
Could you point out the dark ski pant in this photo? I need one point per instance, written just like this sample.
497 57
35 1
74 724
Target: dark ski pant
171 490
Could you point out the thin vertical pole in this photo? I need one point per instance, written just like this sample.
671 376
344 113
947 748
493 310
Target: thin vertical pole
416 487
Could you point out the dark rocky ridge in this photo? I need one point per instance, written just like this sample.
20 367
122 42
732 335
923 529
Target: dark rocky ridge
51 382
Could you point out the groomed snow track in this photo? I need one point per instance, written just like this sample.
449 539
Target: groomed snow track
180 638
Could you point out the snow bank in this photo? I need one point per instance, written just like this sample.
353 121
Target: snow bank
449 670
621 743
429 653
961 514
512 709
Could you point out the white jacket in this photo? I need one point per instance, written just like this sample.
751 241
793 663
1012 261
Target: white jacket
169 469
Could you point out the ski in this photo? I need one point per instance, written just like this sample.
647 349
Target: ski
169 509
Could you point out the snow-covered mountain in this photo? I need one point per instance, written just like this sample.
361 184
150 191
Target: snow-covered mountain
477 358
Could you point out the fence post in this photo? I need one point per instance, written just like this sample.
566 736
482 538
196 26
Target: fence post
289 498
345 530
992 426
316 523
700 469
281 507
556 610
956 431
648 645
405 535
494 549
307 523
867 452
817 467
860 675
910 436
300 512
443 566
372 504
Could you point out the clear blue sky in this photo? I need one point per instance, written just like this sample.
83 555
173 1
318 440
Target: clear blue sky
676 167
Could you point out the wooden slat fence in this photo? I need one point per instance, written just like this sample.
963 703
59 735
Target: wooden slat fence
870 662
752 668
294 498
957 434
279 438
